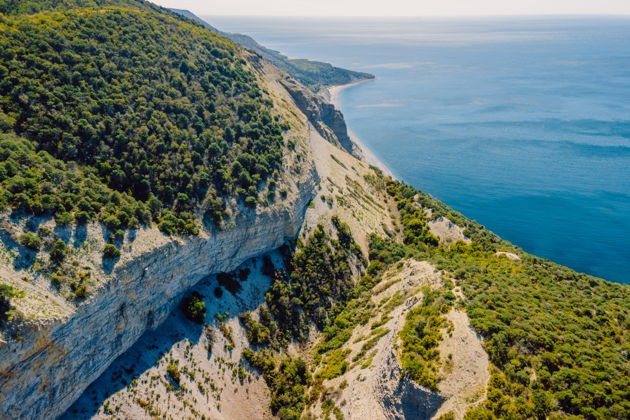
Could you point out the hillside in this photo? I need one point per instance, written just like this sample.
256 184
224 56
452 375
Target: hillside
312 74
27 7
185 232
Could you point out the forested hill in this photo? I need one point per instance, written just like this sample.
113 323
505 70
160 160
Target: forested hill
156 108
313 74
16 7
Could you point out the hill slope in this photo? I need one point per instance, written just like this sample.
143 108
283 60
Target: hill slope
27 7
144 158
161 110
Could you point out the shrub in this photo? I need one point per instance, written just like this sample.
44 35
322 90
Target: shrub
194 308
31 241
7 291
250 201
64 218
82 217
110 251
81 291
173 372
58 251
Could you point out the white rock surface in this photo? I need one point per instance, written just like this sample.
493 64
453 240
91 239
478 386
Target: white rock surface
41 375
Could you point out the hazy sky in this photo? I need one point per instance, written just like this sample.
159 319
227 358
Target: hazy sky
398 7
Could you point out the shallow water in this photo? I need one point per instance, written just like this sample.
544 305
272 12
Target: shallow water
521 124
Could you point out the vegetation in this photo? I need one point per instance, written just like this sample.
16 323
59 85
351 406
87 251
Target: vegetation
173 372
287 382
315 287
7 292
37 183
194 308
17 7
318 284
163 113
421 335
31 241
259 333
558 340
58 252
110 251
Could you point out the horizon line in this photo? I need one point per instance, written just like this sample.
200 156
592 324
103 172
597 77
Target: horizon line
530 15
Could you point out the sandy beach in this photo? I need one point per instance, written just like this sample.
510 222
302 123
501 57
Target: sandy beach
333 92
333 96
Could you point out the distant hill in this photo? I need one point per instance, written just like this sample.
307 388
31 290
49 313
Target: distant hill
313 74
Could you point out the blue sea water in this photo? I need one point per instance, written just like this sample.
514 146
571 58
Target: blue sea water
522 124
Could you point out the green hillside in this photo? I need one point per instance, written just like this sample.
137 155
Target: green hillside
558 339
157 108
18 7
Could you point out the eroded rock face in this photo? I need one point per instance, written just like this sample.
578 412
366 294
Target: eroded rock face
447 232
402 398
327 120
41 375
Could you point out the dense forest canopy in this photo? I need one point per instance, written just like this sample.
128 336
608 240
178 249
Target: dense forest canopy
17 7
157 108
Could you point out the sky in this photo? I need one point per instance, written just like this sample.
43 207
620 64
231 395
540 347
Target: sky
407 8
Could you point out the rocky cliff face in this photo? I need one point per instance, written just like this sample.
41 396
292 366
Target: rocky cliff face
42 374
327 120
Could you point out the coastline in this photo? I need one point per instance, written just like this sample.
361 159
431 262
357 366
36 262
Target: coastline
332 95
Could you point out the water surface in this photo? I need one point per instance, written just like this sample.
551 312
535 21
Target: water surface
522 124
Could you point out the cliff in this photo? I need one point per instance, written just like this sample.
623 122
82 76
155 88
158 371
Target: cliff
55 354
322 286
44 372
327 120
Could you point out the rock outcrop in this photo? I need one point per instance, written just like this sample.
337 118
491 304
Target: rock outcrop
375 387
402 398
44 372
327 120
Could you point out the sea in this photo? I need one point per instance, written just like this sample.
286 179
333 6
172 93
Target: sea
520 123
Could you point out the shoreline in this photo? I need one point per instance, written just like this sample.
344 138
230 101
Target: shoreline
333 92
333 96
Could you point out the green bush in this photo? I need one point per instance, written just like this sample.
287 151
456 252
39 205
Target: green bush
111 251
31 241
250 201
173 372
7 291
58 251
420 337
287 382
194 308
81 292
